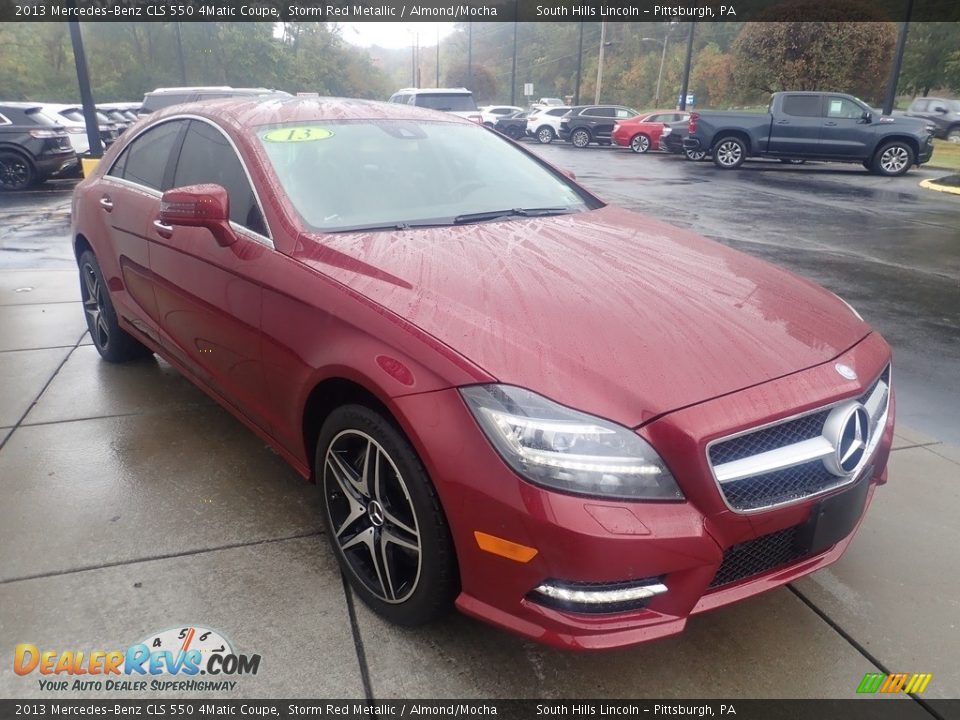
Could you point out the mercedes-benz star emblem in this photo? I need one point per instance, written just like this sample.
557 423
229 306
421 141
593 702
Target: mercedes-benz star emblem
845 371
848 430
376 513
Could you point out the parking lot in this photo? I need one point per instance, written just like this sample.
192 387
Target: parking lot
133 504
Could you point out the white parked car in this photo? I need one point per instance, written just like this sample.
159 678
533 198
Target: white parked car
489 114
71 118
458 101
544 124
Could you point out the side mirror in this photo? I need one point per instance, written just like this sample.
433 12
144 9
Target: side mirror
867 116
940 109
206 206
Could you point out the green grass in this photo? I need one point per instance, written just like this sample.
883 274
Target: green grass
946 155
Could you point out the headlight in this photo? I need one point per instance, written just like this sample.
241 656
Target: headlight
552 445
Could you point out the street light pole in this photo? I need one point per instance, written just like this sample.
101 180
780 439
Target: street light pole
470 56
891 96
86 94
438 55
576 95
513 72
686 69
603 45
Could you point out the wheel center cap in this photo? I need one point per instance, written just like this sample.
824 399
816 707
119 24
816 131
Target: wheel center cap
375 513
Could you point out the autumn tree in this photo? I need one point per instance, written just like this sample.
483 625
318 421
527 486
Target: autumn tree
931 51
841 56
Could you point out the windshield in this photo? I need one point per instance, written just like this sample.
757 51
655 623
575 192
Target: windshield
456 102
377 174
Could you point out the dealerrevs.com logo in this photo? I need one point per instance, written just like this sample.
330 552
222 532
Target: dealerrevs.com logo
170 660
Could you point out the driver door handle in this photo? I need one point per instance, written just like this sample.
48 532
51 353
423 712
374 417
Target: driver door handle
163 230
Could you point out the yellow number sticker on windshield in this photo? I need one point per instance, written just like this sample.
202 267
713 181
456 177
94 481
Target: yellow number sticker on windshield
297 134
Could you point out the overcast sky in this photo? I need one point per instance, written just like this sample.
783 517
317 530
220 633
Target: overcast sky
394 34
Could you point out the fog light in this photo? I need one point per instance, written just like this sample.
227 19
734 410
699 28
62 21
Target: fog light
598 597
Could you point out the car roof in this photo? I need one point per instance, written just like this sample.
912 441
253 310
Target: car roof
434 91
265 110
21 105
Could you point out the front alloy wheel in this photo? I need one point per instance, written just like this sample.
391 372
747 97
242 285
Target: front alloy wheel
545 135
640 143
695 155
893 159
383 518
729 153
580 138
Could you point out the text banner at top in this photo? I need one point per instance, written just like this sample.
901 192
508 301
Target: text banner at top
477 10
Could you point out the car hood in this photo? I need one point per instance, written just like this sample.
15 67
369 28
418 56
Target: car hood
607 311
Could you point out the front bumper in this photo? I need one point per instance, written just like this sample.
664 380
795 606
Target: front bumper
583 540
926 152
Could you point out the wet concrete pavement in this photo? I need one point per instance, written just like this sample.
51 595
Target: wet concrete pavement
132 503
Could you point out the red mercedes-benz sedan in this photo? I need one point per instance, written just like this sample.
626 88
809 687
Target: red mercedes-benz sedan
570 420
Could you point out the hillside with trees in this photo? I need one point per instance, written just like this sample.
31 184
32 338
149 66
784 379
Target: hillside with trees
734 64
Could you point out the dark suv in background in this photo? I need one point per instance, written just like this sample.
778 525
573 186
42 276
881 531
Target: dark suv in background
585 124
164 97
32 146
943 113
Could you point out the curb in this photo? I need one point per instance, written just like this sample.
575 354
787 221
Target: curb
934 185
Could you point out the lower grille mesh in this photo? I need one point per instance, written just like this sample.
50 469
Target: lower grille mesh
758 556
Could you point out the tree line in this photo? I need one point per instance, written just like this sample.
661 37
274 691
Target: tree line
734 64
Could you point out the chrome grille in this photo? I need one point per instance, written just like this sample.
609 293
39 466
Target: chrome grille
784 462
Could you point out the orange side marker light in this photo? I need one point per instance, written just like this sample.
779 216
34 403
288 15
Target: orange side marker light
504 548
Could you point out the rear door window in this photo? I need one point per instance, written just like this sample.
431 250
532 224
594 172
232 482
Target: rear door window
802 105
145 160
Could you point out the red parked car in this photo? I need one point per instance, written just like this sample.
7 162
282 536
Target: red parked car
643 133
572 421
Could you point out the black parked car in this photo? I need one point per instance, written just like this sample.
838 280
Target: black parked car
32 147
163 97
585 124
514 125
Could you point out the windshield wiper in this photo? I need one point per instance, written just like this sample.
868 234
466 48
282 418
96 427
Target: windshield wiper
514 212
399 225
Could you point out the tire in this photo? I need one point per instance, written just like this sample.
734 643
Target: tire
16 171
580 138
392 542
112 342
640 143
792 161
729 153
893 159
695 155
545 135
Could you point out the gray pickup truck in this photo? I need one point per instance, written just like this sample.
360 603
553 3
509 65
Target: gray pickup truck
813 126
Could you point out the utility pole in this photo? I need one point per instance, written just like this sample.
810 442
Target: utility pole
438 55
891 96
686 69
183 65
603 45
576 94
86 94
470 56
513 73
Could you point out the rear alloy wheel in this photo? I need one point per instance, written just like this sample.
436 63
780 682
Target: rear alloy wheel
16 172
695 155
893 159
580 138
640 143
112 342
545 135
383 518
729 153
